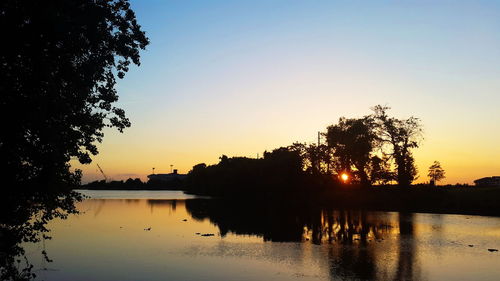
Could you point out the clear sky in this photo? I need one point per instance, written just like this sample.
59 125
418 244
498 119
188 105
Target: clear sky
241 77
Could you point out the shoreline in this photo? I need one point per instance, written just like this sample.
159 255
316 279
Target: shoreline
483 201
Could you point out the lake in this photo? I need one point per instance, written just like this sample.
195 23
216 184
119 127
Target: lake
167 235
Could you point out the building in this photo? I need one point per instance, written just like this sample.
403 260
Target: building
158 178
488 181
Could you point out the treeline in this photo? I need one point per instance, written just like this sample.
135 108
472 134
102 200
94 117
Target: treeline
374 149
278 170
135 184
127 184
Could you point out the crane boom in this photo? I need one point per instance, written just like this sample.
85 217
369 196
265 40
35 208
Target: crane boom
102 172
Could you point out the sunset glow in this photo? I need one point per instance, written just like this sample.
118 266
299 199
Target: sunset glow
344 177
213 84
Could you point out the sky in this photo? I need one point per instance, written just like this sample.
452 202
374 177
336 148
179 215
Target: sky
241 77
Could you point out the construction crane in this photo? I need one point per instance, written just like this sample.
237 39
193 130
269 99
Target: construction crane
102 172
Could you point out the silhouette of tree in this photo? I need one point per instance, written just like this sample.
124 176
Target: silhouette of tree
58 66
301 150
316 159
380 170
402 135
277 171
352 141
58 74
436 172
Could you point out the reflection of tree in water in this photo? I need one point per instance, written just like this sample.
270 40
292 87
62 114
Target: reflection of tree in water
347 227
406 255
353 230
171 204
290 222
352 262
23 220
356 237
273 223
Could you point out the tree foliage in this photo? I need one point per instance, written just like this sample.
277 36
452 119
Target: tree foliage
436 172
352 142
58 69
401 135
316 159
59 63
380 170
280 170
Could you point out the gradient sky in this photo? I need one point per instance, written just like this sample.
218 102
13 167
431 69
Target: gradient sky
241 77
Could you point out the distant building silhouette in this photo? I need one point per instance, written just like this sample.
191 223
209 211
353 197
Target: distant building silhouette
167 177
488 181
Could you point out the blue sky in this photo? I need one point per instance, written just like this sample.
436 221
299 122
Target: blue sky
240 77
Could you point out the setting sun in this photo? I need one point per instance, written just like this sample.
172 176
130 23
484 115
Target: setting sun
344 177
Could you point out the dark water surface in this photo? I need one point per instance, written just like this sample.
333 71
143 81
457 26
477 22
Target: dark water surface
166 235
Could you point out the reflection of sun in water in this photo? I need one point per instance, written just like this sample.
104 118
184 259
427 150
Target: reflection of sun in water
344 177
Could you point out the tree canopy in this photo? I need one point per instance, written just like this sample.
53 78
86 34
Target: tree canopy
401 135
59 64
280 170
436 172
367 148
58 68
352 141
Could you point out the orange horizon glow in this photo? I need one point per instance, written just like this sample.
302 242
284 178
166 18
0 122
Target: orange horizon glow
198 95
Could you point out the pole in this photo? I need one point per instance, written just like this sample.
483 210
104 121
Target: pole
319 153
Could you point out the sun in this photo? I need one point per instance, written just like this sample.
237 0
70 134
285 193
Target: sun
344 177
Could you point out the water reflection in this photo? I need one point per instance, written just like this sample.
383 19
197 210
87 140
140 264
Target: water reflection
24 214
357 232
294 223
162 238
163 202
406 252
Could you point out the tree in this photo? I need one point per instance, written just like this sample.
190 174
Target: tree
380 171
58 69
59 61
315 159
401 135
436 172
352 142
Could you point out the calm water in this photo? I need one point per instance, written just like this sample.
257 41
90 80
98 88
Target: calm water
138 235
